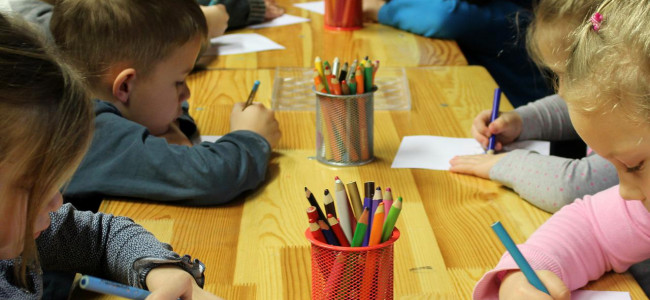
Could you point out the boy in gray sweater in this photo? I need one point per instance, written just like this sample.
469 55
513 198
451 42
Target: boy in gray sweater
136 62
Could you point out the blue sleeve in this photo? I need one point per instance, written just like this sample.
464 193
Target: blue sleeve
125 160
446 19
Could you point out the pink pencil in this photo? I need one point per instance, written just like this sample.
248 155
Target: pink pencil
388 201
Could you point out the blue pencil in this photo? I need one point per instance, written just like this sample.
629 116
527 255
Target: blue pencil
112 288
495 114
213 2
518 257
251 96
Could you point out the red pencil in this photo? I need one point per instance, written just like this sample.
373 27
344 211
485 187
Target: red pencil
316 232
336 227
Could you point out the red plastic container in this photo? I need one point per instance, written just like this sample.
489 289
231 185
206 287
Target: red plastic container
352 272
343 14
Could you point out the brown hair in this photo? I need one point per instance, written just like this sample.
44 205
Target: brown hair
95 35
611 67
45 122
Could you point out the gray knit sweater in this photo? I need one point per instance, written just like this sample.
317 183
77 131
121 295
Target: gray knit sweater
550 182
97 244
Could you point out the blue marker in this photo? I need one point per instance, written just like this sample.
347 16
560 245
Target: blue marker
495 114
213 2
251 96
518 257
112 288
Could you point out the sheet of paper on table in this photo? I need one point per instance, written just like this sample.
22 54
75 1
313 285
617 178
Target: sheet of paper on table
599 295
280 21
316 6
434 152
239 43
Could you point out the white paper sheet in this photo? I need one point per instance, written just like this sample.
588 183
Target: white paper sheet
317 6
280 21
210 138
239 43
434 152
599 295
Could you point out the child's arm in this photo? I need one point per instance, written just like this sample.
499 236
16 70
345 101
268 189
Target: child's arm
106 246
546 119
581 242
247 12
125 160
446 19
550 182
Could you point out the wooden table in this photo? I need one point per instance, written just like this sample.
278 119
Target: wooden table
305 41
255 247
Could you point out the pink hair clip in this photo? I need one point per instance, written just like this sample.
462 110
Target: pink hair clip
596 19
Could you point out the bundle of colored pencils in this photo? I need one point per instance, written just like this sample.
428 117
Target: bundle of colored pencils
337 79
348 221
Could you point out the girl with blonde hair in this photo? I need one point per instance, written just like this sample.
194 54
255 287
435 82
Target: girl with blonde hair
46 122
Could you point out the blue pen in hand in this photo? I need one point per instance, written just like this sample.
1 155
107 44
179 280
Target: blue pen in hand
213 2
518 257
495 114
251 96
112 288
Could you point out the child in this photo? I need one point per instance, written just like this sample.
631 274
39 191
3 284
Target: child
607 93
547 182
136 63
46 124
246 12
489 32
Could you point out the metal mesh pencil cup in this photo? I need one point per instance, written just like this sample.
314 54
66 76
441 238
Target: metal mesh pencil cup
344 128
352 272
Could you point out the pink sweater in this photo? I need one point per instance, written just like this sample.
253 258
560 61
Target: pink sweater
581 242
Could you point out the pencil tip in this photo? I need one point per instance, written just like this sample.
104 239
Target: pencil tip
327 192
388 189
336 178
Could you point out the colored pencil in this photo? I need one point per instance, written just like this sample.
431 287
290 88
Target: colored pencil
377 224
327 232
112 288
344 72
329 204
518 257
346 216
251 96
335 67
314 203
369 192
388 200
345 89
391 219
316 232
355 199
358 77
362 226
318 82
496 100
338 231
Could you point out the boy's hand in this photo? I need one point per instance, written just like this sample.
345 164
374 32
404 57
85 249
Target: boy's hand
171 282
507 127
175 136
272 10
478 165
371 10
256 118
515 286
217 19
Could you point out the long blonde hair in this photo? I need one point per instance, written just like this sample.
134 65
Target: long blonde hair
551 13
610 67
45 124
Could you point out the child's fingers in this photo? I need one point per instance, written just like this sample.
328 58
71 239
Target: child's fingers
554 285
481 121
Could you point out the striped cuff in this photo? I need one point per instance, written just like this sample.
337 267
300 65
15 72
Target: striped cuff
257 11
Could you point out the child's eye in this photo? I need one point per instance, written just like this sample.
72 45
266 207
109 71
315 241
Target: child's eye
635 168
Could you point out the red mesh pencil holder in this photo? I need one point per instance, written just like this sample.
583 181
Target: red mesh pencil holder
352 272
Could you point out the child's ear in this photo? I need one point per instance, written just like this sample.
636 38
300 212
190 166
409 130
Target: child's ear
123 85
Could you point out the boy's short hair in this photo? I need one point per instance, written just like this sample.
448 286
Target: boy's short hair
96 34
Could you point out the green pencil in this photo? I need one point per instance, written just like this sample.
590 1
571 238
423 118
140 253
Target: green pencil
362 226
395 209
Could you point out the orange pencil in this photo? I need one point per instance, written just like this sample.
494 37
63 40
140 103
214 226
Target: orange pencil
358 77
318 82
335 87
316 232
336 227
377 226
